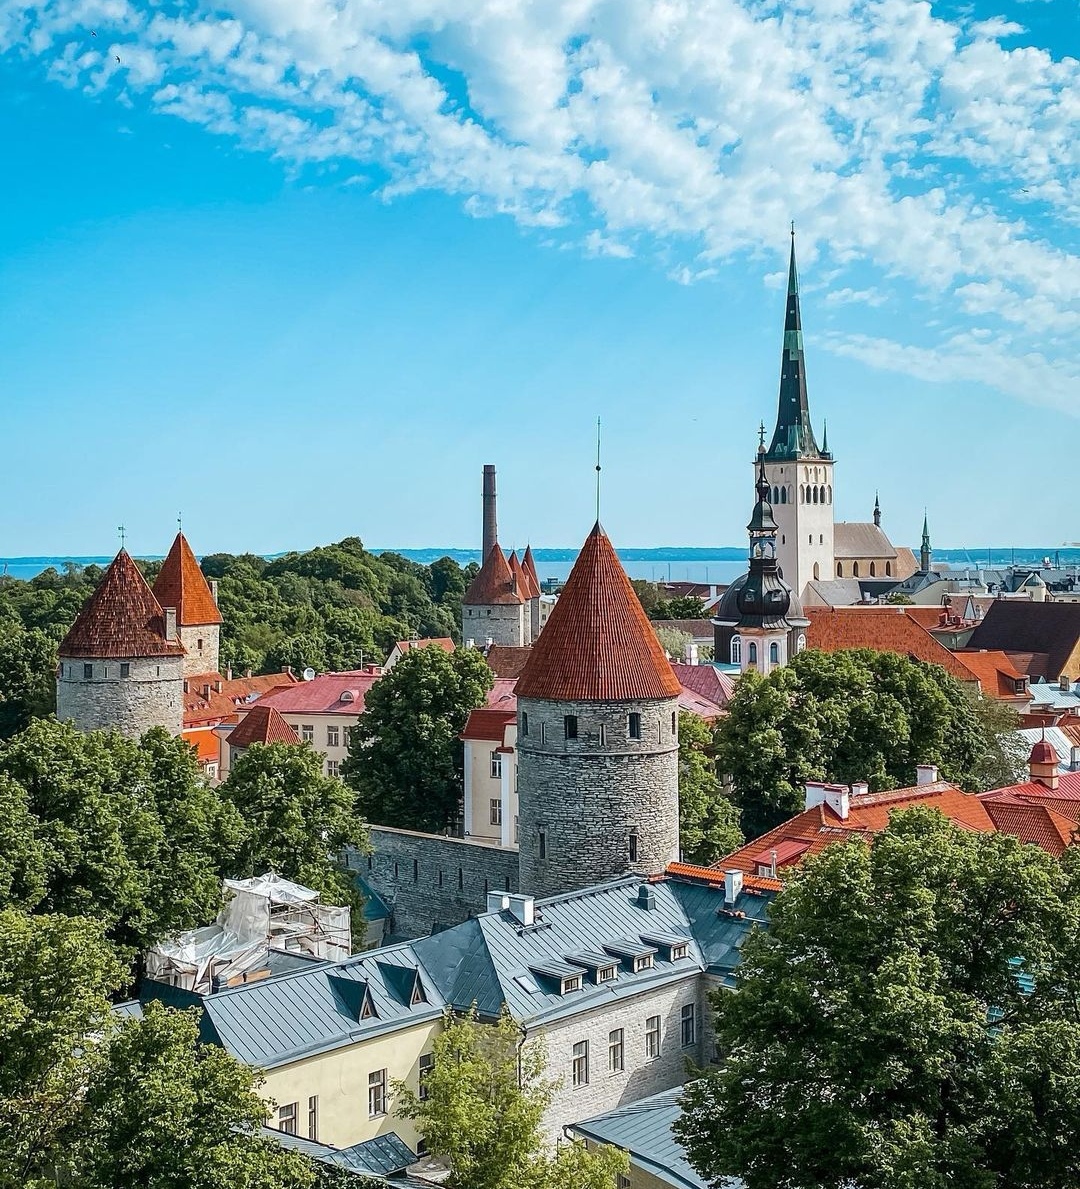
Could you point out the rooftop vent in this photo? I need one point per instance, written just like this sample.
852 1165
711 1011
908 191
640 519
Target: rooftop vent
646 897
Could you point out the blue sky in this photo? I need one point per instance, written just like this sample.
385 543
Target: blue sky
298 268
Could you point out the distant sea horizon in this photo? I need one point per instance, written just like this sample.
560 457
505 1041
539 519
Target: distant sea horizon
688 563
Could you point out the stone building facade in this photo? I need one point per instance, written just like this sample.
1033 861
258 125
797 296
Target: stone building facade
598 790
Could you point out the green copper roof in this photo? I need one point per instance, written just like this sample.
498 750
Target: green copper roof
794 436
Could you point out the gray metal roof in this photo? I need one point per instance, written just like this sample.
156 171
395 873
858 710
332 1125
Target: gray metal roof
383 1156
719 934
643 1130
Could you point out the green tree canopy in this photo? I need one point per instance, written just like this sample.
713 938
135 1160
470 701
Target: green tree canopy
483 1112
680 607
844 716
405 754
708 819
909 1020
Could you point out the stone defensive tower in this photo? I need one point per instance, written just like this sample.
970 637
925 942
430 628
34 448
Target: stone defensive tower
598 772
121 664
495 608
182 585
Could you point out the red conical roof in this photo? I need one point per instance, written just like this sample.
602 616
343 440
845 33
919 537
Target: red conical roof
262 724
521 579
1044 753
494 583
597 645
181 584
528 564
120 619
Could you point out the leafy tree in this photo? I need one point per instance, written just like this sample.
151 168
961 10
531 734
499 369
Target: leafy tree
910 1018
648 594
844 716
128 831
297 821
1005 756
27 675
23 857
899 599
483 1113
680 607
708 819
405 754
674 642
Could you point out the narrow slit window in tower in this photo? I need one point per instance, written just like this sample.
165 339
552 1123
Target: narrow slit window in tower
633 848
634 724
570 726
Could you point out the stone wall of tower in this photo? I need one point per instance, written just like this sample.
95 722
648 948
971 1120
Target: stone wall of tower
804 546
502 623
203 646
150 694
588 795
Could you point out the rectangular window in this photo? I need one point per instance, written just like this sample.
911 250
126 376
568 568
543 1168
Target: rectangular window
616 1060
198 644
688 1025
427 1064
543 732
88 672
652 1037
570 726
543 845
333 768
286 1118
495 808
125 668
622 1182
376 1093
313 1117
333 734
572 983
603 735
524 723
605 974
581 1063
643 962
633 848
679 951
635 725
307 733
496 765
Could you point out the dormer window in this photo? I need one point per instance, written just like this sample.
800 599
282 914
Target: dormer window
643 962
679 951
573 983
606 974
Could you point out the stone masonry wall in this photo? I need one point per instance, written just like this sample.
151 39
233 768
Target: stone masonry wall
588 797
151 696
502 623
207 660
641 1075
428 880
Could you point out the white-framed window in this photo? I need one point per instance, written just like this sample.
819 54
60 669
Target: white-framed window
333 735
736 650
643 962
307 733
774 653
652 1037
688 1025
571 983
313 1116
286 1117
376 1093
616 1051
581 1063
427 1064
495 811
496 765
333 768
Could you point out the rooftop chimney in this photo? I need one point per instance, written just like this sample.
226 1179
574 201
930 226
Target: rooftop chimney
859 788
646 898
170 622
491 528
1074 759
732 887
1064 684
498 901
836 796
213 589
926 774
522 908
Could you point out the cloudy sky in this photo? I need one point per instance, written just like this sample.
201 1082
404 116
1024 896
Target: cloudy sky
297 268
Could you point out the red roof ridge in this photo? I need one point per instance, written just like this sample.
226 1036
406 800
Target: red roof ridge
494 583
181 584
528 564
262 724
521 579
597 644
121 618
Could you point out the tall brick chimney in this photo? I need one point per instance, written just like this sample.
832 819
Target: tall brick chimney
491 528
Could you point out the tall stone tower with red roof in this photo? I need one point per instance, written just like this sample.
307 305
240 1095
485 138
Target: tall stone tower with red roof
182 586
495 606
121 664
598 744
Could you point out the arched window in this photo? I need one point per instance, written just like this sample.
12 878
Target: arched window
873 570
783 495
815 491
829 493
752 655
776 495
774 653
802 494
854 569
888 569
839 569
736 650
817 571
800 644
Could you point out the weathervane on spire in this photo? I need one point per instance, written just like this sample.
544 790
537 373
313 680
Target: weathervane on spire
123 534
597 470
179 522
792 228
761 437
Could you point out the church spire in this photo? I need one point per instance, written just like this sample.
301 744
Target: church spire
794 436
877 511
926 553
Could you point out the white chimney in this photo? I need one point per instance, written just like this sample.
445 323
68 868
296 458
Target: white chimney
521 907
1064 684
732 886
170 623
859 788
836 796
498 901
691 653
470 643
926 774
1074 759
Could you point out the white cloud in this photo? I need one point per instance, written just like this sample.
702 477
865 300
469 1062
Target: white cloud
901 142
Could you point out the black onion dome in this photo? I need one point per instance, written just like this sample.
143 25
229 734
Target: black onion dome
727 610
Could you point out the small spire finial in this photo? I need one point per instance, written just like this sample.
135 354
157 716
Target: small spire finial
123 534
761 437
179 522
792 228
597 470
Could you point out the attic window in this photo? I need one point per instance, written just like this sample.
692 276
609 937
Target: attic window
572 983
418 995
88 672
605 974
570 726
643 962
368 1012
125 668
635 725
678 951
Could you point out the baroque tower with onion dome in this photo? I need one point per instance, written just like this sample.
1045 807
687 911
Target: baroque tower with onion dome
121 664
182 586
597 738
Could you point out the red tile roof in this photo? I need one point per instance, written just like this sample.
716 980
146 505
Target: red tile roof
488 724
262 724
506 660
705 680
204 702
996 673
494 584
181 584
521 578
502 695
328 693
597 644
528 564
206 744
443 642
715 877
120 619
884 629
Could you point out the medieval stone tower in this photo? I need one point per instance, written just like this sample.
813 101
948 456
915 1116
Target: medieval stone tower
121 664
598 778
182 586
800 473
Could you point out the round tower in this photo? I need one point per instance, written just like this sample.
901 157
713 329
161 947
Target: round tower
121 664
494 607
597 741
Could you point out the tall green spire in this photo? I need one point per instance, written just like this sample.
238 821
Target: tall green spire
794 436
